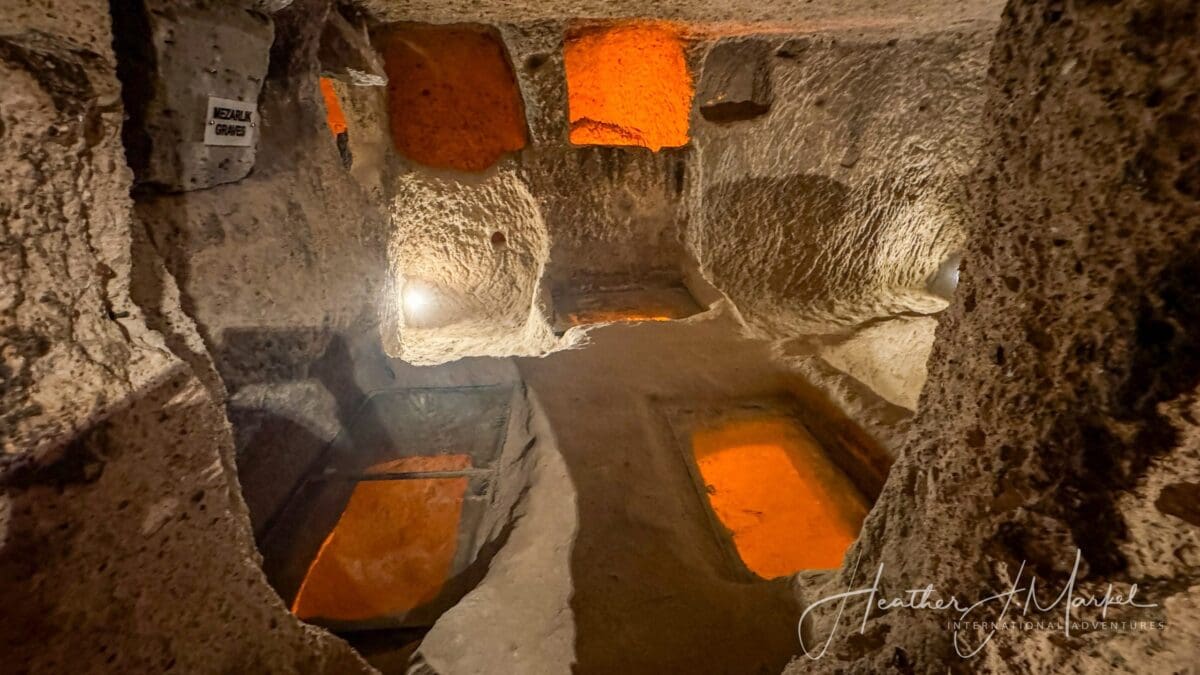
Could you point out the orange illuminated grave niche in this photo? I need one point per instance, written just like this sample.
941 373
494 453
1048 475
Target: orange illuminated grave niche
628 84
774 493
588 306
453 101
378 533
334 117
393 546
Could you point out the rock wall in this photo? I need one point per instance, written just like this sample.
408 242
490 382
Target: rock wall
453 100
840 202
465 270
177 56
1063 392
607 215
124 541
280 270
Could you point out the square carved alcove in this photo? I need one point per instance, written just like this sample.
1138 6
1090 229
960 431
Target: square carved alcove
628 84
778 500
386 526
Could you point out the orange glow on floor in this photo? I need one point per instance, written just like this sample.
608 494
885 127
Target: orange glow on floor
628 85
392 548
452 97
333 109
787 506
586 317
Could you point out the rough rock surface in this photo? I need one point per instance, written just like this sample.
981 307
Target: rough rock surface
346 53
628 84
736 81
466 261
612 213
105 545
1063 385
180 54
1062 398
534 632
307 238
124 541
838 205
888 356
452 98
899 16
73 343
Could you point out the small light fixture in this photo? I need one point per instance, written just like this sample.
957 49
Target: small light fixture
944 281
417 302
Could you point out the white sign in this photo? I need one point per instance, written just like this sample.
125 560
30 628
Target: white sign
229 122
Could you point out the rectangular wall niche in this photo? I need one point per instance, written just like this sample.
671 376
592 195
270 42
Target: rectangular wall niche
382 529
633 303
393 546
334 117
777 502
452 97
628 84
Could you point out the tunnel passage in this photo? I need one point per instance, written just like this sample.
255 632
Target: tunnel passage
384 529
453 291
453 101
628 85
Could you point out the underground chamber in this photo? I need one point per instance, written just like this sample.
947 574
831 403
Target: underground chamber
453 338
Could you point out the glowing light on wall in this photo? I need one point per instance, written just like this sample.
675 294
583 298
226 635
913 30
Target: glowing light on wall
392 549
417 301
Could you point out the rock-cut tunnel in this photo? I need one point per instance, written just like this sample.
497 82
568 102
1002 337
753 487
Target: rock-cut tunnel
505 337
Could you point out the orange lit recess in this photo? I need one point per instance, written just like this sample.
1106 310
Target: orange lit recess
452 97
787 506
587 317
628 85
392 549
333 109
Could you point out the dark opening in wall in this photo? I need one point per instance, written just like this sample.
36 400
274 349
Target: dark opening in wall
736 81
135 69
452 96
535 62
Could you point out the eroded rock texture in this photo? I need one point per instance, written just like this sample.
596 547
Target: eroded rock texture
163 354
346 53
466 263
1062 402
280 271
179 54
124 541
628 84
838 205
